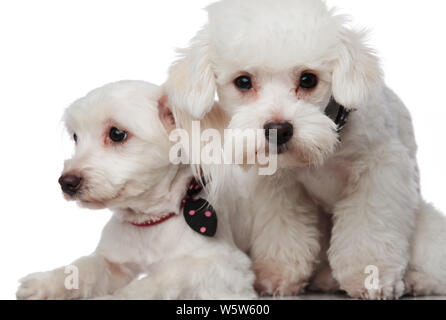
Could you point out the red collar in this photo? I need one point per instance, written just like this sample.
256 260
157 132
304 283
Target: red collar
153 222
192 189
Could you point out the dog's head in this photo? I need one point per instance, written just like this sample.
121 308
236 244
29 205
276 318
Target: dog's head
121 147
276 65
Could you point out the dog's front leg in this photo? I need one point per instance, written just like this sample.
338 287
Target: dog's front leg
373 224
286 247
85 278
220 272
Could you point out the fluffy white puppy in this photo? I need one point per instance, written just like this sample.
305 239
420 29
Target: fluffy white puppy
121 162
279 226
277 65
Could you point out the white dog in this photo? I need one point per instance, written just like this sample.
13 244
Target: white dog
280 225
293 66
122 162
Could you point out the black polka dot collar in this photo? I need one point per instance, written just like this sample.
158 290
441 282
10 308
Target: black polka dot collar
198 213
338 113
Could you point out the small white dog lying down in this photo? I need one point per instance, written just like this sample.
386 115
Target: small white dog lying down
277 65
122 162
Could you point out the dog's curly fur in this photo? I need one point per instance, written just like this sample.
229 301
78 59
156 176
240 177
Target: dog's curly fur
366 176
137 181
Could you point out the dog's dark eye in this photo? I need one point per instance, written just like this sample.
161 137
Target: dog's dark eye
117 135
75 137
244 83
308 81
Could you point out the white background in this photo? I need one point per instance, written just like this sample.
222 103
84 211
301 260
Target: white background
52 52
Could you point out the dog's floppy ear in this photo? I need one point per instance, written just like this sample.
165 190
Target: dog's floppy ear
357 70
165 114
191 84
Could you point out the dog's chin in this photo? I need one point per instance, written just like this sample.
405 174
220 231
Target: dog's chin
93 205
88 202
87 198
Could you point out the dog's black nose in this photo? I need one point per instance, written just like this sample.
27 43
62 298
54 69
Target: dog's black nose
285 131
70 184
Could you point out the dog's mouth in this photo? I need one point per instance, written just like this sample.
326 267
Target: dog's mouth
283 149
291 155
276 149
86 200
279 150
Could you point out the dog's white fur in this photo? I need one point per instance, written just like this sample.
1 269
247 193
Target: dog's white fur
137 182
369 180
274 220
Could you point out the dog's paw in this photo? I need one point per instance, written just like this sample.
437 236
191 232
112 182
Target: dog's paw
389 287
41 286
419 283
415 283
272 280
